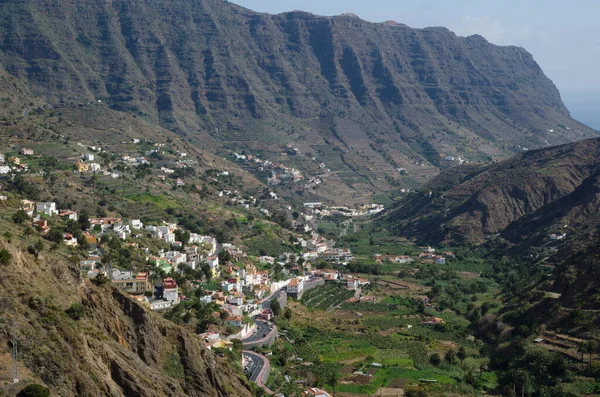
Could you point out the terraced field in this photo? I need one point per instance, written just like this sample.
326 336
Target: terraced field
326 297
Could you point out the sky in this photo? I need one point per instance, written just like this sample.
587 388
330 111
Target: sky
563 36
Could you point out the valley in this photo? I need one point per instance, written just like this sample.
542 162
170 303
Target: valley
200 200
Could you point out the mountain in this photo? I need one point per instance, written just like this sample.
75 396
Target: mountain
522 200
364 99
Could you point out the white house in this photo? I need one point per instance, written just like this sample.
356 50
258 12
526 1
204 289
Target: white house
5 170
295 288
88 157
94 167
136 224
170 291
48 208
68 214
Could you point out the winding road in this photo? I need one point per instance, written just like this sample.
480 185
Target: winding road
255 365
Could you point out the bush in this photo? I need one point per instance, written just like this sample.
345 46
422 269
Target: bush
5 257
20 217
76 311
100 280
34 390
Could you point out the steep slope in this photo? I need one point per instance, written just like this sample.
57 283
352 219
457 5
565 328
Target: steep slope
117 349
470 204
383 95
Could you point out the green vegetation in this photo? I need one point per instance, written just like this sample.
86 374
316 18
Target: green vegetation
326 297
34 390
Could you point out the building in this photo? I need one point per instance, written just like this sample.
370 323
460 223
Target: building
95 167
82 167
352 283
2 158
125 281
136 224
68 214
26 152
88 157
70 240
315 392
4 170
336 255
170 292
48 208
295 288
42 226
235 321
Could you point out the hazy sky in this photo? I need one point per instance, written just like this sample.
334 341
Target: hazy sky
563 36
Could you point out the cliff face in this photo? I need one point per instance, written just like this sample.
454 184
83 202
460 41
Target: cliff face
521 198
385 95
117 349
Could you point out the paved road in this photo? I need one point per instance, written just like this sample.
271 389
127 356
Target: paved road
255 366
262 328
267 302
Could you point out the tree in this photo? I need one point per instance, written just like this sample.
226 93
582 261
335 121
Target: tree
275 307
237 344
20 217
590 348
435 360
28 232
224 257
76 311
328 373
461 354
450 356
5 257
7 236
55 235
34 390
84 220
100 280
287 314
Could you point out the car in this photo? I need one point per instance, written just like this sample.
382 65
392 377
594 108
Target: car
265 334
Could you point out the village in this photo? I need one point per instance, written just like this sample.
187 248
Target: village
163 265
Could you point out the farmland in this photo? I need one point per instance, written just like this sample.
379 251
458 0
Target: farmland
326 297
393 340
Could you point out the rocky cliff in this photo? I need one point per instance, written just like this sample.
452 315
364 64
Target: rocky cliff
366 98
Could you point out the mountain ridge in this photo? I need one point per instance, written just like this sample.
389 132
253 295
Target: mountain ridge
384 96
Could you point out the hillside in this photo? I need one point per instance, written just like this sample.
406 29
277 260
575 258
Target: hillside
526 196
365 99
118 348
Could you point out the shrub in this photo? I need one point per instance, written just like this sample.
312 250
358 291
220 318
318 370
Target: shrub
76 311
34 390
5 257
